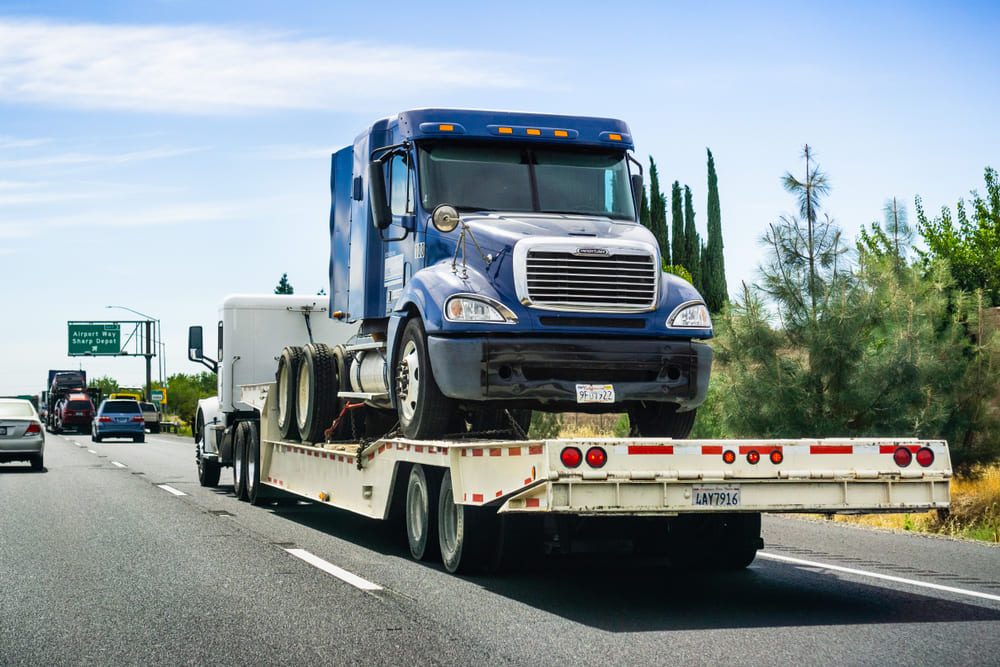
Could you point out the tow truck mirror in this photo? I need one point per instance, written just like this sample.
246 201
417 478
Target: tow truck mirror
637 192
196 346
381 216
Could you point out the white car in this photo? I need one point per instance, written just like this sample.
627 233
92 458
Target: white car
22 437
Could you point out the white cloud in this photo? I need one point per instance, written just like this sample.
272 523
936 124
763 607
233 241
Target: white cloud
72 158
201 69
8 143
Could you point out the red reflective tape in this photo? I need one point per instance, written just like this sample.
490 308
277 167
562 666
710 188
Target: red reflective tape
499 493
831 449
650 449
890 449
514 451
496 451
419 449
477 452
465 496
535 449
371 457
381 449
527 480
532 502
443 451
763 450
477 497
711 449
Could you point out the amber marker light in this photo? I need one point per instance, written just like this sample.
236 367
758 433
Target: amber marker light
561 133
615 137
533 132
505 130
445 127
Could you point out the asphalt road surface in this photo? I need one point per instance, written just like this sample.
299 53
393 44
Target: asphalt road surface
115 555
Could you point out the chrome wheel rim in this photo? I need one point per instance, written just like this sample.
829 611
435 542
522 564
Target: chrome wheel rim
408 381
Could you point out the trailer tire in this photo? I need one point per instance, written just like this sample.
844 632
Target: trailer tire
240 461
256 494
286 378
424 412
660 420
421 512
316 392
466 535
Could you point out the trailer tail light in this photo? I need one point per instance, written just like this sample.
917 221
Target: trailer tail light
729 456
596 457
902 456
753 457
776 456
33 428
925 457
571 457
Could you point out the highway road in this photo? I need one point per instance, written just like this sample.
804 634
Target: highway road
115 555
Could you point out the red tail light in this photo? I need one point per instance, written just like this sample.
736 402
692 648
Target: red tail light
33 428
105 420
776 456
753 457
596 457
140 418
571 457
729 456
902 456
925 457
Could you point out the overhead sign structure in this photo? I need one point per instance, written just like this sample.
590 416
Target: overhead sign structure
95 339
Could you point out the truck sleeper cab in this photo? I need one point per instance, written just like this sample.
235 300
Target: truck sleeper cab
494 263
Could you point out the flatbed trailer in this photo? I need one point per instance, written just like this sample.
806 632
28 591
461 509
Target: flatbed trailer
451 486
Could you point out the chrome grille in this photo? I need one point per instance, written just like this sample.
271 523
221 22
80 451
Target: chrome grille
618 281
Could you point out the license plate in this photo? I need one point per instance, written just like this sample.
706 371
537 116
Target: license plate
121 420
716 496
3 430
595 393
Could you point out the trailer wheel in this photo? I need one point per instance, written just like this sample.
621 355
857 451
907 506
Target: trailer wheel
466 535
660 420
421 513
286 377
424 412
256 494
239 461
316 396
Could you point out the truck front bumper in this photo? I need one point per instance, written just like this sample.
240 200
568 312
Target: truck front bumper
548 370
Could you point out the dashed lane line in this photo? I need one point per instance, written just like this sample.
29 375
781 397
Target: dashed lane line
92 451
170 489
330 568
876 575
120 465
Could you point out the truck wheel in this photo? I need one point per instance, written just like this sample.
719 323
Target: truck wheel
37 462
421 513
424 412
256 494
208 471
316 394
286 377
240 461
466 535
660 420
720 541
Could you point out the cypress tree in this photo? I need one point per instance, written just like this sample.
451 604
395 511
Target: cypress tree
657 210
677 225
692 244
644 210
714 271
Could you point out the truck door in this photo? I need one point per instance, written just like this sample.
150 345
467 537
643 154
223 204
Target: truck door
402 245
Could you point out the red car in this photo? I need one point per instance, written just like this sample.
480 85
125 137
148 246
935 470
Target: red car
75 412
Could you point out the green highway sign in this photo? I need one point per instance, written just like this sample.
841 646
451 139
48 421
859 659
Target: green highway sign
158 395
95 339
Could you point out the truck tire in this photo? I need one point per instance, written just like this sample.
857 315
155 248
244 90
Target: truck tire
240 461
208 471
316 392
424 412
422 490
466 535
660 420
287 381
37 462
717 541
256 494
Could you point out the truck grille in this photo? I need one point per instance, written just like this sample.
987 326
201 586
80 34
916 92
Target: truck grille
619 281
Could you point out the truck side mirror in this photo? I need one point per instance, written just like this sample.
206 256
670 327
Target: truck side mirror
196 346
381 216
637 192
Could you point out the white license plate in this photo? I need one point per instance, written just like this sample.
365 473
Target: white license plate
717 495
3 430
595 393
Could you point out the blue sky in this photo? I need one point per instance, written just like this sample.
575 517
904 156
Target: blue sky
161 155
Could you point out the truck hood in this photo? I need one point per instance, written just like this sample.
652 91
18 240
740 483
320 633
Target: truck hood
498 231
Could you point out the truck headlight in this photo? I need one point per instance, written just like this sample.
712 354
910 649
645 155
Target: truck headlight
692 315
469 308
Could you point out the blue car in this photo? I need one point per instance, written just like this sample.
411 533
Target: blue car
119 419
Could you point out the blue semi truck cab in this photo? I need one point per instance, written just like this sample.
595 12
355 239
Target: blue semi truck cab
495 265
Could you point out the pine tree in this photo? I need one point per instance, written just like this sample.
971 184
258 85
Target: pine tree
714 272
677 225
284 287
657 210
692 244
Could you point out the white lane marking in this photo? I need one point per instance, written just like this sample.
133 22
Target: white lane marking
120 465
92 451
876 575
330 568
170 489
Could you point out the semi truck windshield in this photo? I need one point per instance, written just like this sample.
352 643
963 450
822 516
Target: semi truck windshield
522 179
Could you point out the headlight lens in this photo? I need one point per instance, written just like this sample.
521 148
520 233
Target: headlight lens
693 316
467 309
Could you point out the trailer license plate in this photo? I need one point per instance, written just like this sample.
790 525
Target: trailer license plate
716 496
595 393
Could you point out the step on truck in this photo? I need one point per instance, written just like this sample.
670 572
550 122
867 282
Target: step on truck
485 265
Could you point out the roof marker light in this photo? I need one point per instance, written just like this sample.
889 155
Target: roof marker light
561 133
505 130
533 132
446 127
615 137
